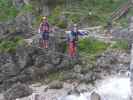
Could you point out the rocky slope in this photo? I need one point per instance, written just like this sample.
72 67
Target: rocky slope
30 64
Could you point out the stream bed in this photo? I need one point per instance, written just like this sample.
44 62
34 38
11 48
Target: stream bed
113 88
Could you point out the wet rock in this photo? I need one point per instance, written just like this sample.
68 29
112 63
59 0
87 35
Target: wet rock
77 68
82 88
55 85
89 77
95 96
17 91
74 91
87 68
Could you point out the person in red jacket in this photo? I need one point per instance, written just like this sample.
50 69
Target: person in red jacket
44 30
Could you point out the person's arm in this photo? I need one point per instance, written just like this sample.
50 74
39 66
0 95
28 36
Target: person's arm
39 29
82 33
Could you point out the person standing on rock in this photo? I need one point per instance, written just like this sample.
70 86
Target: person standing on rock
44 29
72 38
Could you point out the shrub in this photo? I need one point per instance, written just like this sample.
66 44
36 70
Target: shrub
10 45
53 19
92 46
121 44
7 10
27 8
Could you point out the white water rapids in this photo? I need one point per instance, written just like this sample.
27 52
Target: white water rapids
114 88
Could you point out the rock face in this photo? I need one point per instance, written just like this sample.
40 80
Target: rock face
28 64
113 62
21 25
17 91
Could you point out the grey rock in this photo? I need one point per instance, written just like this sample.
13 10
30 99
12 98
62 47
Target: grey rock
17 91
55 85
111 62
95 96
77 68
9 69
89 77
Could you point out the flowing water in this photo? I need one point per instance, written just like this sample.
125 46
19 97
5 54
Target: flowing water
114 88
118 87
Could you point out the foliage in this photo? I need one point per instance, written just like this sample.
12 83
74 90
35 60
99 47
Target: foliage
55 14
121 44
55 20
7 10
27 8
92 46
96 11
10 45
55 76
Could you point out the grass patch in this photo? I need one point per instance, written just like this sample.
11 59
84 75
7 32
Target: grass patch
55 76
10 45
92 46
121 44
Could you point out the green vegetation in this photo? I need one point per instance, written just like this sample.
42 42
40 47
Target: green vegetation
10 45
95 12
27 8
7 11
92 46
55 76
55 20
121 44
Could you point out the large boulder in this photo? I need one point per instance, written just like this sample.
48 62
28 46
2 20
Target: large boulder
17 91
95 96
55 85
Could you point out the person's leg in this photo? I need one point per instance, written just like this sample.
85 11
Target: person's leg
74 49
46 44
43 43
46 40
43 40
70 49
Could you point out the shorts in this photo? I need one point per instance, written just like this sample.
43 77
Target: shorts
45 35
